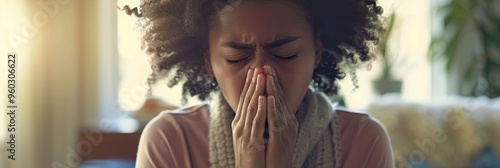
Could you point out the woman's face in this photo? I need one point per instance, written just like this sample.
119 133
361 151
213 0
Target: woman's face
250 35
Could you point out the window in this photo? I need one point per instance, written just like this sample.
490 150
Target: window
408 45
135 68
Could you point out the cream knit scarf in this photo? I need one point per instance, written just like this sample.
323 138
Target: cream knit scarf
318 141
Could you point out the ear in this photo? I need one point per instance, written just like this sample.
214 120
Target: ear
319 52
208 65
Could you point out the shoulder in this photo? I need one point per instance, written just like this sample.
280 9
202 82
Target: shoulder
176 122
172 119
169 133
364 140
359 121
188 110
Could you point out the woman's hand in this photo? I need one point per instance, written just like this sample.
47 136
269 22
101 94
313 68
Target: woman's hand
283 126
249 122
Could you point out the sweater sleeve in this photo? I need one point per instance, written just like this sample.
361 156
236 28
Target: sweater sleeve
162 144
365 142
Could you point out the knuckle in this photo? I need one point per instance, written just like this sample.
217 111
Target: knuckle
245 144
257 145
250 109
242 98
237 133
241 143
253 82
234 124
257 121
237 130
249 80
246 98
276 123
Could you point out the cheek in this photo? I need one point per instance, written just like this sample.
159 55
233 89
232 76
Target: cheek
231 84
295 81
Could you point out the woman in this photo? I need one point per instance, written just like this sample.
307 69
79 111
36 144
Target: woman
268 63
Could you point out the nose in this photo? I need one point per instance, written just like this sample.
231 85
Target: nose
261 58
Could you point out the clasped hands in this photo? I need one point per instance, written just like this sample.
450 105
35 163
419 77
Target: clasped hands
263 101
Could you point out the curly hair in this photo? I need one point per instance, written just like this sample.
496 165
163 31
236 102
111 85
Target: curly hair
175 35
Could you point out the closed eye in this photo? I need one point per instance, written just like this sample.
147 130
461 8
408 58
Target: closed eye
286 58
234 61
281 58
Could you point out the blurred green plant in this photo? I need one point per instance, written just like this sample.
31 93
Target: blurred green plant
386 83
383 46
482 73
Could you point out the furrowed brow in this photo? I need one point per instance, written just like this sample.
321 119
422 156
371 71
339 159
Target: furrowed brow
280 42
239 46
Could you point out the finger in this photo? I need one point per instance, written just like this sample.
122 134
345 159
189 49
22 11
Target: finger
273 119
259 121
248 80
251 87
279 94
269 81
272 83
285 115
267 70
271 90
252 107
248 94
277 87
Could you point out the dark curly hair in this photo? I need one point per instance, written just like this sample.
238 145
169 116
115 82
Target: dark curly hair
175 35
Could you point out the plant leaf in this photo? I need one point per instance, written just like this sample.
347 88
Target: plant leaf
451 47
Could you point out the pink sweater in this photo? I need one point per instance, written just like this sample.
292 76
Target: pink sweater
180 139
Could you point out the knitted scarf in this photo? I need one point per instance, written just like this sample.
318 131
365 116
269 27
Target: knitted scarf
318 141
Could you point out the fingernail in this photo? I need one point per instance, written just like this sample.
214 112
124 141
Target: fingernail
259 80
268 70
249 71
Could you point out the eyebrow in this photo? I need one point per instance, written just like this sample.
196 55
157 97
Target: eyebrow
280 42
239 46
273 44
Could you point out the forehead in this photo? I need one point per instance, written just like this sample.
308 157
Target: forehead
269 17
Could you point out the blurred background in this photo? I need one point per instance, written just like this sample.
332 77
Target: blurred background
81 91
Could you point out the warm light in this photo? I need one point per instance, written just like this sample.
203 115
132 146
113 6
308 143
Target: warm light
10 14
408 44
135 67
